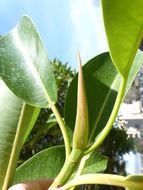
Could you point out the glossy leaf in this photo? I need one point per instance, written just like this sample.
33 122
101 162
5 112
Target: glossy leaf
102 83
124 29
96 163
14 122
46 164
25 66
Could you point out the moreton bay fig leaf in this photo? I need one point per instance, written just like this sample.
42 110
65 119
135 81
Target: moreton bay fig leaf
123 20
25 66
102 83
15 119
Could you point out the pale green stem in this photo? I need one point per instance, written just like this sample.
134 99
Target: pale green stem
63 129
81 167
68 168
103 179
110 122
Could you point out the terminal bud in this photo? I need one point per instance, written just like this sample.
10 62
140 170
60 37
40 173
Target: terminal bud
80 136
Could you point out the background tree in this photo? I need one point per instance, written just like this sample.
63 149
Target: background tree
115 146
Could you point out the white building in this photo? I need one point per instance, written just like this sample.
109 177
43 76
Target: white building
132 115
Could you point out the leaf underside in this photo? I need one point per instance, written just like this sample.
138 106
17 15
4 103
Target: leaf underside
123 22
25 66
14 122
45 164
48 163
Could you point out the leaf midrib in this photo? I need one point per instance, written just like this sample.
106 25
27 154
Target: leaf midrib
134 51
27 59
14 148
102 109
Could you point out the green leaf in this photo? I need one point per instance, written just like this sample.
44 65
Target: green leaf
25 66
95 163
48 163
135 180
33 114
45 128
45 164
102 83
14 122
41 129
123 20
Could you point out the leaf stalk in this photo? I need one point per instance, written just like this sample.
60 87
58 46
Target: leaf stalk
63 129
103 179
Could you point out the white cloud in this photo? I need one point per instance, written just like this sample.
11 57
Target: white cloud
89 35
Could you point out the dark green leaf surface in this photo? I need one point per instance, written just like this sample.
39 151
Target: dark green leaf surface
15 117
123 21
45 164
102 83
25 66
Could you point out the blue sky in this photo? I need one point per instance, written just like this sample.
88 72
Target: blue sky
63 25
